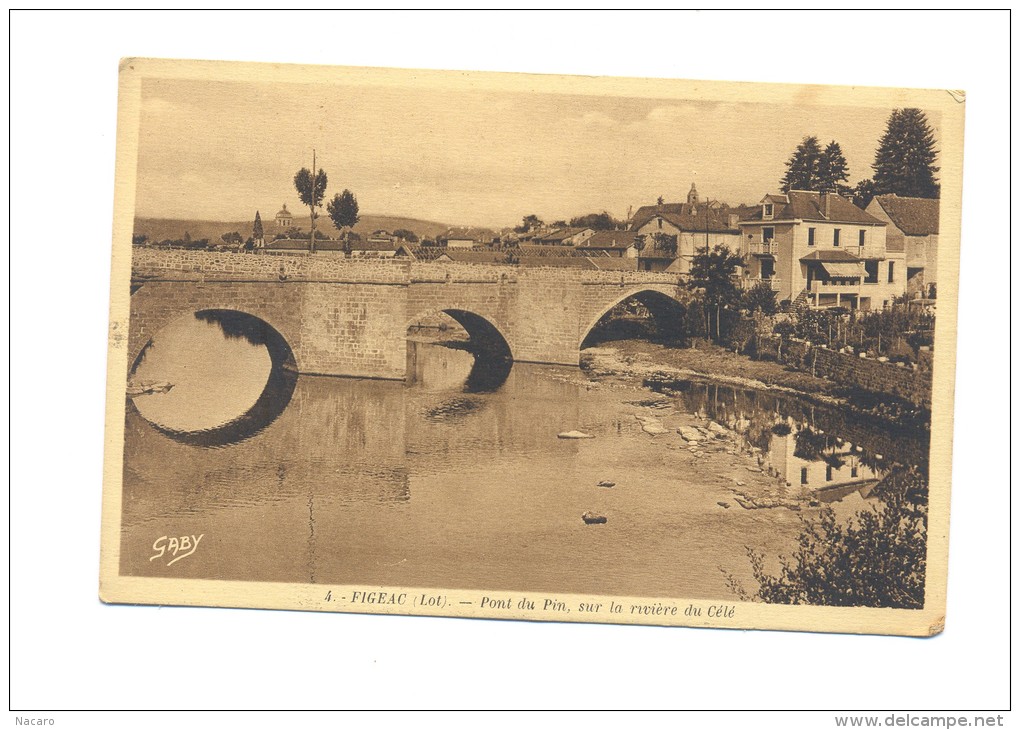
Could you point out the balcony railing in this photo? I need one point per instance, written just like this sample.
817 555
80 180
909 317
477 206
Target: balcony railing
750 283
763 247
835 286
867 251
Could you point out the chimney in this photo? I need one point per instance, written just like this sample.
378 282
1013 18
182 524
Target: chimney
826 202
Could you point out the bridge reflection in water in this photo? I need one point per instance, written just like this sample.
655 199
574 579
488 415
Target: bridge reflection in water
434 483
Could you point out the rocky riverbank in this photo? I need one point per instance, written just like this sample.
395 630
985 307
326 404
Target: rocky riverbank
654 364
648 360
713 453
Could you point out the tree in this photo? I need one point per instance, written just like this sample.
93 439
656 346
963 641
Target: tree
660 200
596 221
802 167
529 223
664 242
832 169
343 211
863 193
256 229
139 239
311 190
760 297
712 274
406 234
877 558
905 159
233 238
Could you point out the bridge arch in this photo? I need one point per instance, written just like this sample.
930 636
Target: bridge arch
252 397
487 344
667 310
153 308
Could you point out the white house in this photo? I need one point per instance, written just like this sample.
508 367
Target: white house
696 226
820 247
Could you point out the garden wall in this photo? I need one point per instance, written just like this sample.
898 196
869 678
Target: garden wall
907 383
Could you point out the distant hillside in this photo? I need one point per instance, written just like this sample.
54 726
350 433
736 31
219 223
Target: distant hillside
161 229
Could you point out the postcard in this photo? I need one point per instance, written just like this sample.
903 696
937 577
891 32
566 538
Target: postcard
532 347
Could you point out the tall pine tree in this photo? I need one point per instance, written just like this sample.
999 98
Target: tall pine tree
905 160
802 167
832 169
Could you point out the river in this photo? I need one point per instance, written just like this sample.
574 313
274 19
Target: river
458 481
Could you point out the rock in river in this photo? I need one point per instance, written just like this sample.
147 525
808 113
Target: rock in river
687 433
574 435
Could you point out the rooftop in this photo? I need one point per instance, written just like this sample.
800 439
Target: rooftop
610 239
809 206
686 217
913 216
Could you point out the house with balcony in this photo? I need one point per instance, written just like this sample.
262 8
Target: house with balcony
913 228
820 248
695 225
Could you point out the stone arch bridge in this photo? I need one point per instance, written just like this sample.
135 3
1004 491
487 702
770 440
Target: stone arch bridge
351 317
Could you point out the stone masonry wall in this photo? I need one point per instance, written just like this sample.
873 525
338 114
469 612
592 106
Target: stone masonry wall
350 316
867 374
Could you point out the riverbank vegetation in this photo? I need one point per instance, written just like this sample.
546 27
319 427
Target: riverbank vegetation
877 558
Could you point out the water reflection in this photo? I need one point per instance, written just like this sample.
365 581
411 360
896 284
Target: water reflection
453 364
213 379
825 452
430 484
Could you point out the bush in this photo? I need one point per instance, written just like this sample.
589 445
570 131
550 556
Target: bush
760 298
784 329
876 558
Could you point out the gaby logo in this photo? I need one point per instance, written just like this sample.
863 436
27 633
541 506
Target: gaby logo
177 548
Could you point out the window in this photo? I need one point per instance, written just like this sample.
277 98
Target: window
660 222
835 236
803 475
828 473
810 236
892 276
853 471
768 210
871 269
860 237
767 234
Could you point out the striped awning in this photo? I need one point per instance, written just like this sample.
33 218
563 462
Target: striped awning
843 269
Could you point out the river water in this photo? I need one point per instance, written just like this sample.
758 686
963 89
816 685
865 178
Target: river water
456 481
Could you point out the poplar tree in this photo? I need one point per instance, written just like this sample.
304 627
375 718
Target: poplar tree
311 189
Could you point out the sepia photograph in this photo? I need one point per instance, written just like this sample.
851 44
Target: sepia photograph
518 360
613 350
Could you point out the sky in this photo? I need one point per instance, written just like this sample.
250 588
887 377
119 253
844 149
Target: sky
217 150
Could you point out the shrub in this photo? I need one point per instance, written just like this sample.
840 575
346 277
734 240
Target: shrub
876 558
760 298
